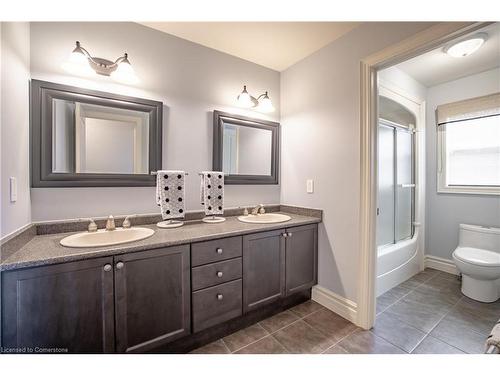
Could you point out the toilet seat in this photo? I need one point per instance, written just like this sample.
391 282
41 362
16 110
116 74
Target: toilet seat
477 257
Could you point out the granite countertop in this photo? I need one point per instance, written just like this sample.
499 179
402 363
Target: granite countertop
45 249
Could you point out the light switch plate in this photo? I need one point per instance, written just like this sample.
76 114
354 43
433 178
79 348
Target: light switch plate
310 186
13 189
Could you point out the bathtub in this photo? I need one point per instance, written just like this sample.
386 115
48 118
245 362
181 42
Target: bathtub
397 263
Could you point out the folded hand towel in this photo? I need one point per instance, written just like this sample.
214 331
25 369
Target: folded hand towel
212 192
170 194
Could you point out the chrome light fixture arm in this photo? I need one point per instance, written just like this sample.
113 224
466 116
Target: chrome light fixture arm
100 65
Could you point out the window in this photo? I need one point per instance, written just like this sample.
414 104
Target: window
469 148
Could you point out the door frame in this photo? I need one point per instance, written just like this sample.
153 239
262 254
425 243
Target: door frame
419 43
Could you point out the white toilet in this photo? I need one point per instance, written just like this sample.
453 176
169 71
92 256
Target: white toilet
477 257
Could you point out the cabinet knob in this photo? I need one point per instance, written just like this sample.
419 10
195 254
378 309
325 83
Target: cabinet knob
119 265
107 267
219 250
220 297
219 274
284 235
290 234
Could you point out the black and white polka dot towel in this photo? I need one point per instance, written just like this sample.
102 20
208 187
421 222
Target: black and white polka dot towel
212 192
170 194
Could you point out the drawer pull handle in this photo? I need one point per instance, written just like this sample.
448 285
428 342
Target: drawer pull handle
220 297
119 265
219 250
107 267
219 274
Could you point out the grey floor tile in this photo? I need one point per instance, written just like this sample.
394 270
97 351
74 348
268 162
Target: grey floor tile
336 349
417 315
390 297
278 321
306 308
425 275
490 311
330 324
244 337
365 342
397 332
267 345
431 345
437 301
476 322
216 347
457 335
448 289
299 337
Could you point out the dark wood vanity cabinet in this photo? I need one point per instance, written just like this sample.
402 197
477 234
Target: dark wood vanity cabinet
152 298
263 268
142 299
139 301
67 307
301 257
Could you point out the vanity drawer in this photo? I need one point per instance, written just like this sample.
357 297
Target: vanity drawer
215 250
216 273
216 304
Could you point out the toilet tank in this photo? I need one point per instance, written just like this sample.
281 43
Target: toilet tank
487 238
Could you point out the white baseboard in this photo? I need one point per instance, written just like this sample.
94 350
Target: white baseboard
440 264
338 304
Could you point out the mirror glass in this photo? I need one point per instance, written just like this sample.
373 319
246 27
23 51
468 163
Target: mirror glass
90 138
246 150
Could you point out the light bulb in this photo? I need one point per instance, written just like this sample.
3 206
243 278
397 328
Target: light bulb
265 104
78 64
124 72
244 99
466 47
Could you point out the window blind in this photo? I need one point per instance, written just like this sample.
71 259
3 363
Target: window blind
483 106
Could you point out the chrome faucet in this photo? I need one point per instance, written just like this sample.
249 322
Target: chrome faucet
110 223
259 209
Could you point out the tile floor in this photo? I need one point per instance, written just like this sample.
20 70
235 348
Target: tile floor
425 314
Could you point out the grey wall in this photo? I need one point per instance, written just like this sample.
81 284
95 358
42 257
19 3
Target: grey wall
190 79
14 127
321 140
446 211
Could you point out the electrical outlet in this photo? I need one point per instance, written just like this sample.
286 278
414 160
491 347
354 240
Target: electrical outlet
13 189
310 186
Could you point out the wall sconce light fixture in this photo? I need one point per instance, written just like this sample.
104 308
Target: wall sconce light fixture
81 62
262 103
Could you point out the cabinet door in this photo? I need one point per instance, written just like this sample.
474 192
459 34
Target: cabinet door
61 307
301 258
263 268
152 298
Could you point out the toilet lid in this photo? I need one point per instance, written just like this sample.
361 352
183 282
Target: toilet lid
478 257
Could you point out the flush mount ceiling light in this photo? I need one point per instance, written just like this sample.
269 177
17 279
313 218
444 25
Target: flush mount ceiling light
466 47
262 103
81 62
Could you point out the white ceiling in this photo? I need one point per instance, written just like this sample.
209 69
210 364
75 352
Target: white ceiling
276 45
436 67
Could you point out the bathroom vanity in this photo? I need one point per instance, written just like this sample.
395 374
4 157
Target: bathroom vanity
172 292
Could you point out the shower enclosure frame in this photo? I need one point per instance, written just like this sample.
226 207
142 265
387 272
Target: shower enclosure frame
412 131
424 41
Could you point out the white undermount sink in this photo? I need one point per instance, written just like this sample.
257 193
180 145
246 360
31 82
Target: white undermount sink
264 218
107 238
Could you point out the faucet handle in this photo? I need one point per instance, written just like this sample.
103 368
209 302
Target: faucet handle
92 225
262 210
126 223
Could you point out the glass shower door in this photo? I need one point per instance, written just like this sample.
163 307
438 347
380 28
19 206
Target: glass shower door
395 184
385 210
